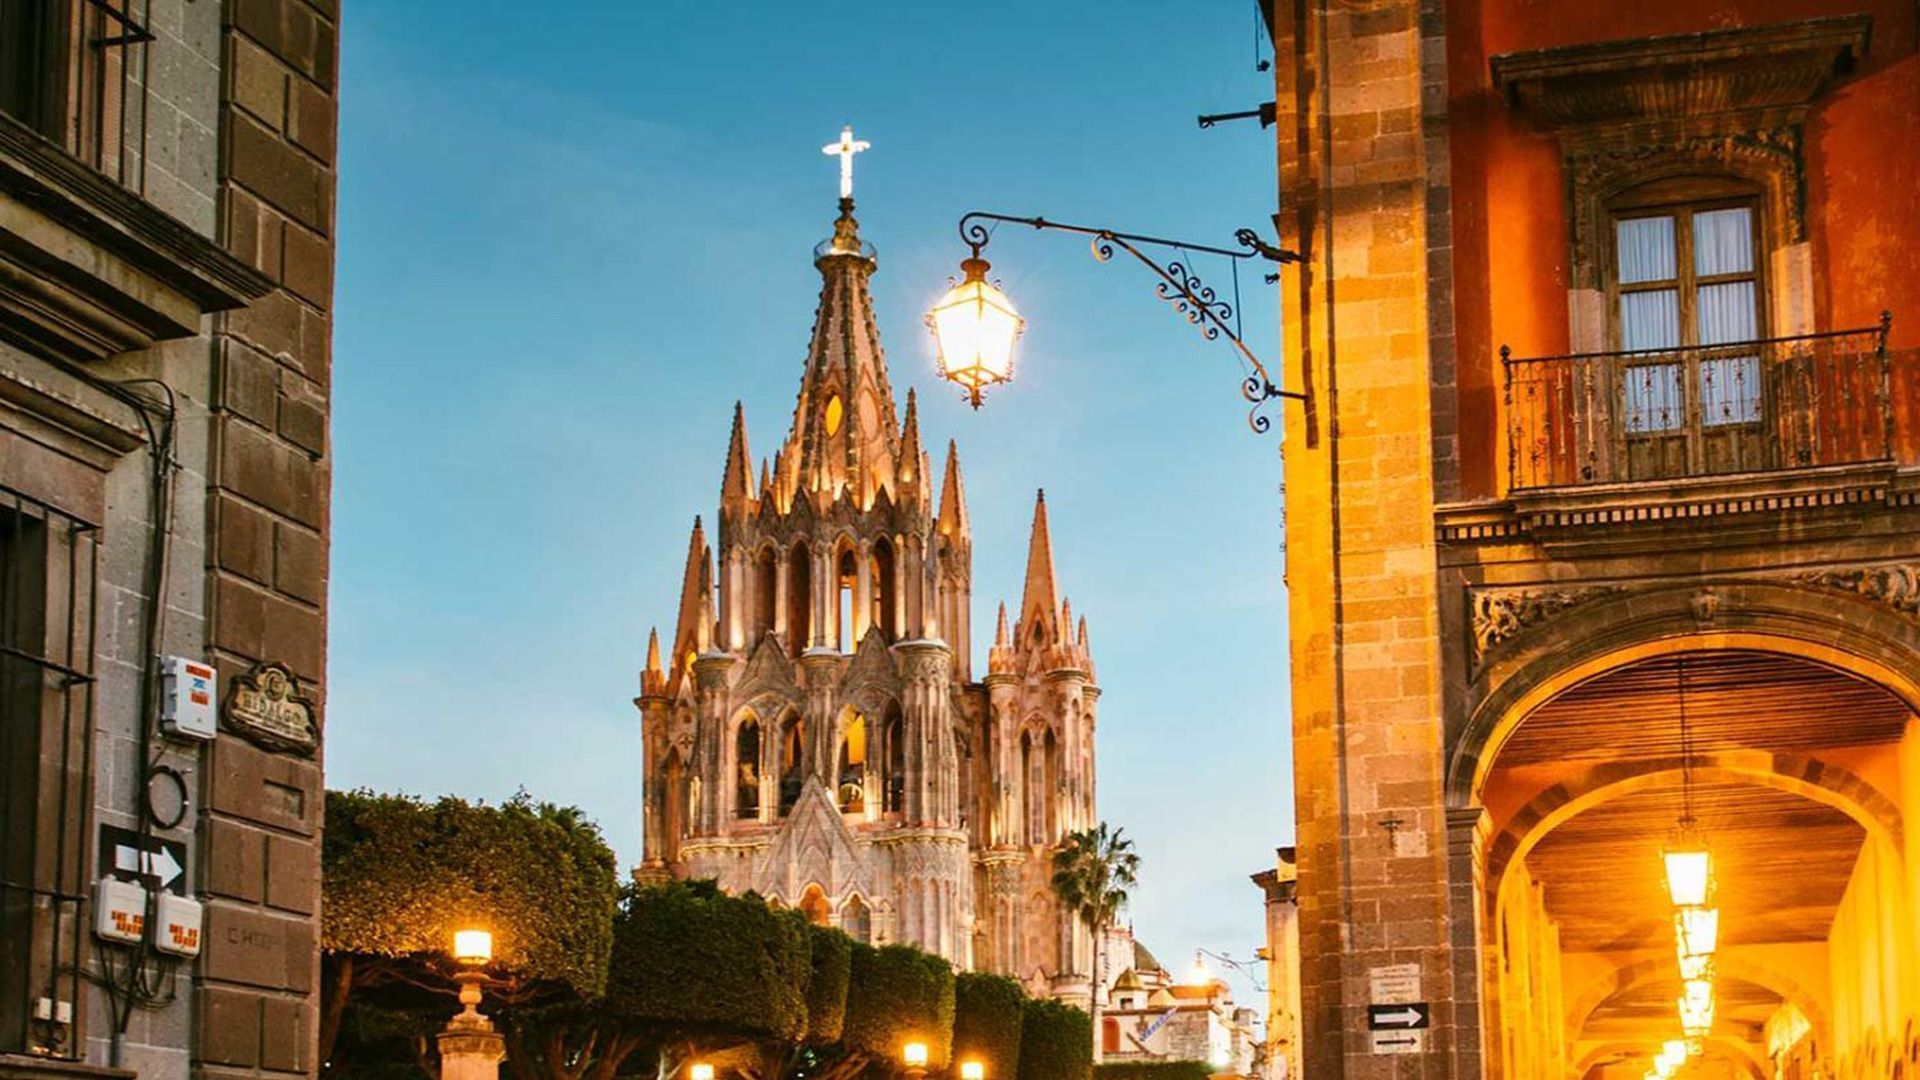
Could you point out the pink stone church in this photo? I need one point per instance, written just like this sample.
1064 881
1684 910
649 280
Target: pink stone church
817 732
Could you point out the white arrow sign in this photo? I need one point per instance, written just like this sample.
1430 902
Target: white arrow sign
158 865
1401 1018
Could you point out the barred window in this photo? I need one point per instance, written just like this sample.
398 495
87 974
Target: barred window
47 573
71 70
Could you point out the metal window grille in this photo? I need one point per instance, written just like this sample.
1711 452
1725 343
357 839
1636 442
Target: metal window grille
74 71
48 572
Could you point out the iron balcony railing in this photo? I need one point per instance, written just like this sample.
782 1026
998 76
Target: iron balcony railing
1700 410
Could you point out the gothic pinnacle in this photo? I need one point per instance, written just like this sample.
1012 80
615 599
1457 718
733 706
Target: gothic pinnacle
953 497
739 472
1041 597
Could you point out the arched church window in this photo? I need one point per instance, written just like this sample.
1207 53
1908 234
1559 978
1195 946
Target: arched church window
793 742
880 571
813 904
693 805
964 750
836 412
746 766
1029 787
895 743
674 797
1050 782
766 591
1109 1035
799 604
846 571
852 777
857 920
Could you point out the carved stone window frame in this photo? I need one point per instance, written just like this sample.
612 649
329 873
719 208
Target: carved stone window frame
1726 103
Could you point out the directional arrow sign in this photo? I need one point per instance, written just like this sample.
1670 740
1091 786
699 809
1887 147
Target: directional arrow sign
1396 1042
153 862
1409 1017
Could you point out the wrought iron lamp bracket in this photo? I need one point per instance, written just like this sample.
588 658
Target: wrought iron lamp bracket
1196 301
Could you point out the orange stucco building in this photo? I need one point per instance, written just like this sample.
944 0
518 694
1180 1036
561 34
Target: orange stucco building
1603 532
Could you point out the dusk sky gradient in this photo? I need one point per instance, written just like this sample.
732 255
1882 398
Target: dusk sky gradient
571 236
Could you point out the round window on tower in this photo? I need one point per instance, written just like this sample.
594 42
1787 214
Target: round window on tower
835 410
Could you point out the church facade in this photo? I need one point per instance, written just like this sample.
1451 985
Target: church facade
816 732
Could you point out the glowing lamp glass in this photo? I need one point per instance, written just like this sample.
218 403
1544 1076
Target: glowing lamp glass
473 947
1675 1049
1689 876
1696 967
974 327
915 1054
1696 930
1696 1008
972 1070
700 1071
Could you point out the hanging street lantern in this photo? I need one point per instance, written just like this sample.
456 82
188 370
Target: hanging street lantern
974 327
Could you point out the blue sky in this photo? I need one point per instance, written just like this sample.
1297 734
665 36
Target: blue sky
571 237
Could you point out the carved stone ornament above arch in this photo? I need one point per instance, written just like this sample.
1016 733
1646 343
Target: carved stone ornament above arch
1726 103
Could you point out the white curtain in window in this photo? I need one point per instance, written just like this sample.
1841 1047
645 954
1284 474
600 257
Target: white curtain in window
1723 241
1726 313
1650 320
1646 249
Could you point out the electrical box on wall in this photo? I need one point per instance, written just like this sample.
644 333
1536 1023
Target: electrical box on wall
186 698
178 930
119 911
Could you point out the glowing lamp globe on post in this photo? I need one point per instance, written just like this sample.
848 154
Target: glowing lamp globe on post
915 1056
974 327
972 1070
473 948
700 1070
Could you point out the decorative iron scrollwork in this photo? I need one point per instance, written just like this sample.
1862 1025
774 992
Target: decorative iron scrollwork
1196 301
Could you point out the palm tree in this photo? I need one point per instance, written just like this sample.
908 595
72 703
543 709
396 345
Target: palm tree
1093 871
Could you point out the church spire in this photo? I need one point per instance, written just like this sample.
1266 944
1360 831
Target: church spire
653 680
735 489
845 435
953 498
1040 603
910 449
693 631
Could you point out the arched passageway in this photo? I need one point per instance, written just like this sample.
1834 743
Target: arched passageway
1796 776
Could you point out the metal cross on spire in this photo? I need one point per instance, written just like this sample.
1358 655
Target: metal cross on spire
844 150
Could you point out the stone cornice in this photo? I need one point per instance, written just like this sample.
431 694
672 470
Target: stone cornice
89 269
1708 510
1783 65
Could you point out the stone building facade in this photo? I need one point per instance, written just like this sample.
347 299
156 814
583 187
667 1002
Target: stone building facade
1603 529
166 262
816 732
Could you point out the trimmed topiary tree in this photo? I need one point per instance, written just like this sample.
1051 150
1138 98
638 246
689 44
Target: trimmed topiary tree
898 994
400 875
1153 1070
693 965
827 988
1056 1042
987 1012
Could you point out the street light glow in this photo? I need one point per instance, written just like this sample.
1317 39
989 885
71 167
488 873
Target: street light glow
700 1071
473 947
974 327
915 1054
972 1070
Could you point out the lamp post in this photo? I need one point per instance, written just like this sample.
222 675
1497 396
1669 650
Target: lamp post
915 1055
975 325
470 1049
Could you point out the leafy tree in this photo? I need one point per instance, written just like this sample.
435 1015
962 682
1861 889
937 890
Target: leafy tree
1093 872
696 970
987 1011
1153 1070
399 875
897 994
1056 1042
